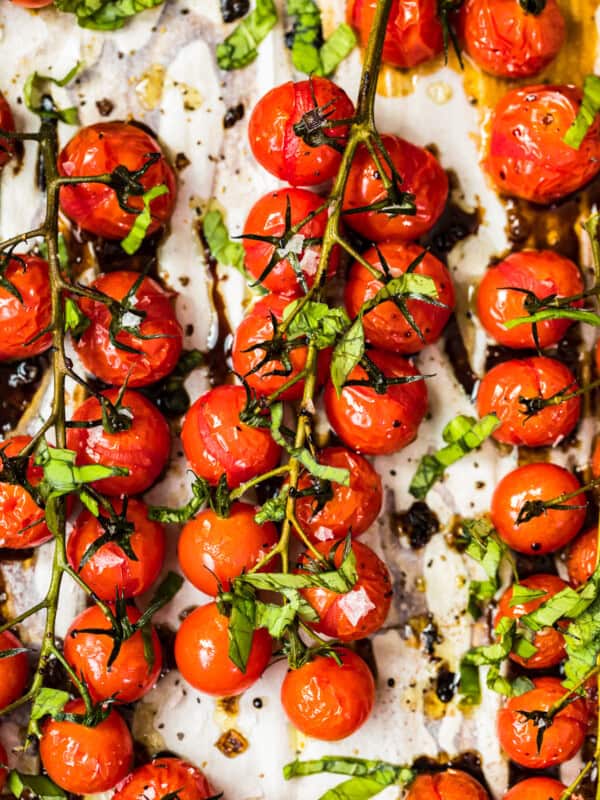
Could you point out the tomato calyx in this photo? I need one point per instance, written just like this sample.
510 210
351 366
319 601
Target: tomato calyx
14 472
446 8
533 405
377 380
115 417
5 258
536 508
117 529
544 719
276 349
218 498
314 124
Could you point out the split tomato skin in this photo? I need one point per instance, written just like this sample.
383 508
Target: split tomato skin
163 777
22 520
452 784
22 320
14 671
7 123
538 788
582 557
326 700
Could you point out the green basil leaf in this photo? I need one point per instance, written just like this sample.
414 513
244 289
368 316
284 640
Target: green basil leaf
223 249
317 321
575 314
37 786
587 113
406 285
484 546
200 496
273 510
566 604
347 354
164 593
62 476
523 594
276 619
133 241
242 624
75 320
582 645
240 48
308 54
49 702
104 15
355 789
368 777
338 47
35 92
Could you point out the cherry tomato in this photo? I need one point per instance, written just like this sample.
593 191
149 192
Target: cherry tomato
527 156
217 442
452 784
538 788
201 652
22 520
14 671
32 3
109 569
7 123
422 176
582 556
555 527
359 612
85 760
562 739
375 423
351 509
502 388
98 149
282 152
213 550
165 777
549 642
386 326
247 353
157 348
326 700
26 309
506 40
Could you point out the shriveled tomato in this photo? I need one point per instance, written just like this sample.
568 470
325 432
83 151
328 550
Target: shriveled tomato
280 150
109 569
7 123
14 670
555 527
25 308
378 423
538 788
165 777
582 556
99 149
422 176
217 442
527 156
505 387
82 759
22 520
327 700
452 784
213 550
149 312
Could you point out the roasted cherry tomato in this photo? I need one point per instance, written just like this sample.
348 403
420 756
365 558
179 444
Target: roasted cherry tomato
22 520
14 671
555 527
7 123
562 739
213 550
538 788
280 150
583 556
452 784
165 777
101 148
86 760
421 175
327 700
217 442
32 3
25 309
359 612
158 346
506 386
507 40
202 654
549 642
378 423
527 156
109 569
263 373
386 326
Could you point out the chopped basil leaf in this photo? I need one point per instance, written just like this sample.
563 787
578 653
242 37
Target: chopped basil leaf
523 594
62 476
484 546
310 54
75 320
38 100
587 113
347 354
104 15
317 321
368 777
240 48
338 47
132 242
223 249
582 645
273 510
49 702
37 786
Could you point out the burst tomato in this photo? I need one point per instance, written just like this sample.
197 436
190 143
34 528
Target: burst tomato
538 788
26 309
452 784
165 777
14 670
583 556
22 520
7 123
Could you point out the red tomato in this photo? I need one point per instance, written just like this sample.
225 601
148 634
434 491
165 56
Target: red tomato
85 760
201 652
22 520
98 149
561 740
553 529
541 272
216 442
502 388
277 147
374 423
32 3
549 642
352 509
527 156
452 784
14 671
110 569
253 330
538 788
158 348
7 123
213 550
328 701
359 612
386 326
582 556
165 777
422 176
23 321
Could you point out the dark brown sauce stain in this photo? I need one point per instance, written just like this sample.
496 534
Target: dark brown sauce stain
234 9
166 635
419 523
364 648
458 355
19 381
229 705
455 224
89 251
217 357
232 743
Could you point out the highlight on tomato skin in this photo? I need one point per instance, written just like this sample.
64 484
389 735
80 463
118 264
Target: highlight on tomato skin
7 123
451 784
24 318
22 520
582 556
161 777
538 788
14 671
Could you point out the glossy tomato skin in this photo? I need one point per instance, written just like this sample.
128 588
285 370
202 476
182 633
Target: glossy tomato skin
361 611
422 175
386 326
538 788
452 784
503 386
561 740
378 424
85 760
110 569
98 149
7 123
14 671
201 652
550 643
21 322
328 701
143 449
161 778
276 146
18 509
542 272
582 556
527 156
548 532
215 549
217 442
156 357
32 3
